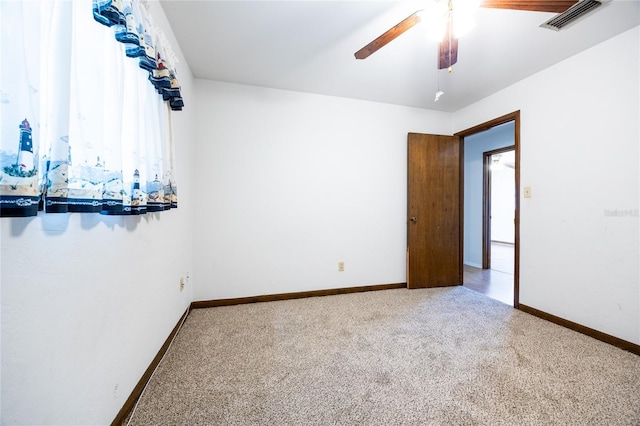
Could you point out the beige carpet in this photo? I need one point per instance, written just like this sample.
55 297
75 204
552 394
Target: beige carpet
397 357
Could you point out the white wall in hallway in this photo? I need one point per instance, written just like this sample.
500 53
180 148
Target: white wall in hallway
503 204
293 183
580 241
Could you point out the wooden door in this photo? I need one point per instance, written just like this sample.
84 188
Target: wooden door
434 252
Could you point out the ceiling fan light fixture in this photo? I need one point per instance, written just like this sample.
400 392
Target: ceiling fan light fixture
463 24
464 16
467 6
434 18
437 14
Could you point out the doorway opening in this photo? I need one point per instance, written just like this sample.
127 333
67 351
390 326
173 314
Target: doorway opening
490 225
498 209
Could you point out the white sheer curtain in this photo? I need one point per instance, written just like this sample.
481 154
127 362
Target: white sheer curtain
87 93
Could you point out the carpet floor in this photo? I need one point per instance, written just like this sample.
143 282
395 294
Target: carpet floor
446 356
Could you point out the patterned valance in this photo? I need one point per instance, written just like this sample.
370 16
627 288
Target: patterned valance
134 29
85 109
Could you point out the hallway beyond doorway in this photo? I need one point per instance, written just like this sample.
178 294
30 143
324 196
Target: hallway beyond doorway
502 257
496 282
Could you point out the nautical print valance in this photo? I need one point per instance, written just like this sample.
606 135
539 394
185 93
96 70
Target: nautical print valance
132 27
85 117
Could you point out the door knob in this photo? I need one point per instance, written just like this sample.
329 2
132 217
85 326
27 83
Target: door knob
413 219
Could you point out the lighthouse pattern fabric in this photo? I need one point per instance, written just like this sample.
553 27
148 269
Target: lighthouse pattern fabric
132 26
25 150
20 185
20 180
87 92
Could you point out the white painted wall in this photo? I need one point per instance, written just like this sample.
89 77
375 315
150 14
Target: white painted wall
293 183
88 300
503 204
474 148
579 153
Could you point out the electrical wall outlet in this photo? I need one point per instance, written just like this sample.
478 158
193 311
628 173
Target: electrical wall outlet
340 266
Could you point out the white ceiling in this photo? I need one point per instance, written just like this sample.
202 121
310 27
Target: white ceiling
308 46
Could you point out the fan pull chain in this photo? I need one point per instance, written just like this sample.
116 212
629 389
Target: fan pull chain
439 92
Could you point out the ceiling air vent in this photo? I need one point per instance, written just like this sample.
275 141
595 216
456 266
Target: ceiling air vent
570 15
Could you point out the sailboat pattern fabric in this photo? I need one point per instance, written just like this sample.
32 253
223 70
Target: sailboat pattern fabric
87 91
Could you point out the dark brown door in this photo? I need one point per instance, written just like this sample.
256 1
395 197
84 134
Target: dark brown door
434 253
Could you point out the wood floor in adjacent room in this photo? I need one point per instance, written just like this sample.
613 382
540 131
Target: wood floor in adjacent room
496 282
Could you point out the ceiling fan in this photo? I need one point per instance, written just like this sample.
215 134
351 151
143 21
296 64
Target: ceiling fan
568 10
